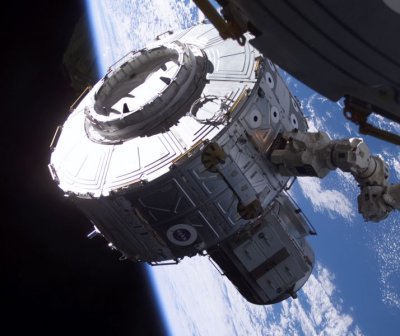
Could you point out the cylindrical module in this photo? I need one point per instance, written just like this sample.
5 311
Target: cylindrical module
168 156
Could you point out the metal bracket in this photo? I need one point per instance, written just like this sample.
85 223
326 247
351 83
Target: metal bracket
162 35
216 160
227 29
212 155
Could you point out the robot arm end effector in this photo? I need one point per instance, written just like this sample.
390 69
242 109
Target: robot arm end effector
315 154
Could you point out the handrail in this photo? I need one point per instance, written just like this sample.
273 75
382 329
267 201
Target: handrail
78 100
312 230
219 270
133 52
163 263
55 138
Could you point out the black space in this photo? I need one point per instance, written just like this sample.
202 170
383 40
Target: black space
54 281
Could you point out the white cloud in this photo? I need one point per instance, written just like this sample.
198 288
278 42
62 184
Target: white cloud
396 166
197 300
325 313
322 199
386 243
317 311
385 124
129 25
394 163
315 123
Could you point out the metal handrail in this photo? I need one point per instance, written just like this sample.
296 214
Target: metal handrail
312 230
78 100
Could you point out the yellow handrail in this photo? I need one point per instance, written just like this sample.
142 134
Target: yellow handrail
84 92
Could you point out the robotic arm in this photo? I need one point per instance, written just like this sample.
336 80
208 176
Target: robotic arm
315 154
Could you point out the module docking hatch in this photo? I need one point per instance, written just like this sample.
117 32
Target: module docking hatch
169 156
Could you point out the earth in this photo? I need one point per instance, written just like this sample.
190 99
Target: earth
355 286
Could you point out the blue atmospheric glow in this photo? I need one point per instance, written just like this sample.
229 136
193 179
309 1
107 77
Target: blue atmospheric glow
93 13
153 281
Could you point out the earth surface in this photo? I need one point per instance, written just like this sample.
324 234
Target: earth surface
355 286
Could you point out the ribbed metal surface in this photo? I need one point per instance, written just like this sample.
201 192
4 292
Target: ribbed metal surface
155 199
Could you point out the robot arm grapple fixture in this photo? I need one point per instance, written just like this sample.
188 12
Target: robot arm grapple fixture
315 154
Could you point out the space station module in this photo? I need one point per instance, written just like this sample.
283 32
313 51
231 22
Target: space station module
189 146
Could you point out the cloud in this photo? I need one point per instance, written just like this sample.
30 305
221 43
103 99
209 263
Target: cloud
315 123
332 201
326 311
318 311
130 25
197 300
386 243
385 124
394 163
